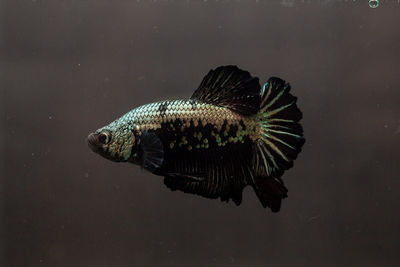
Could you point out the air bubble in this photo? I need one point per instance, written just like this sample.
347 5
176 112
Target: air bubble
373 3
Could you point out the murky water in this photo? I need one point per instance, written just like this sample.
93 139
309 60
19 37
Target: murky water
70 67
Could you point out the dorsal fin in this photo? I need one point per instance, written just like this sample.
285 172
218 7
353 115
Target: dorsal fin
230 87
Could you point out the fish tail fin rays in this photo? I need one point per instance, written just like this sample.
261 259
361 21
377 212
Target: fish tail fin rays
270 191
280 134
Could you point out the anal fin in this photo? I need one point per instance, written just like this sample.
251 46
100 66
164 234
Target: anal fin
195 178
216 184
270 191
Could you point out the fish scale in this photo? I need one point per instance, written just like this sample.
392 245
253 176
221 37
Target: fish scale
231 133
148 116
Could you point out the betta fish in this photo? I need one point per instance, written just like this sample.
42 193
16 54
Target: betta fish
231 133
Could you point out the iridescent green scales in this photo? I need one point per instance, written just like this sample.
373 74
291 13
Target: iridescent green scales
184 124
231 133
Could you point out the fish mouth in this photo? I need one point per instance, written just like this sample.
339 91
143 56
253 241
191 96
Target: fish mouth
96 146
93 142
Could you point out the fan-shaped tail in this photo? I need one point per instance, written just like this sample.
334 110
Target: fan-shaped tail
280 141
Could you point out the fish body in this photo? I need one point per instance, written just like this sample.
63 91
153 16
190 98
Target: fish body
231 133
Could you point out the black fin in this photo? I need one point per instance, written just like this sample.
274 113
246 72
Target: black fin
222 180
270 191
192 177
211 187
153 151
230 87
281 136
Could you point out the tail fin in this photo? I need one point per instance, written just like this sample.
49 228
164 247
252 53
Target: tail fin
280 141
281 136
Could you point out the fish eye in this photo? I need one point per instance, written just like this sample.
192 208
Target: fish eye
104 138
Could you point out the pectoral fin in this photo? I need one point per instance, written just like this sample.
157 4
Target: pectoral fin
153 151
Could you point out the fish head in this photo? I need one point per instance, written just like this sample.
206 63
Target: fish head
114 142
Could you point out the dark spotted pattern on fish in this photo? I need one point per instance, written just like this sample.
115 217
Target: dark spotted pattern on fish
230 134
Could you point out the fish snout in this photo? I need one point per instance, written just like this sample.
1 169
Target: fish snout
94 142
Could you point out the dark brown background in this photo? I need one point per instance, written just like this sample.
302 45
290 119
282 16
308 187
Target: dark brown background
69 67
